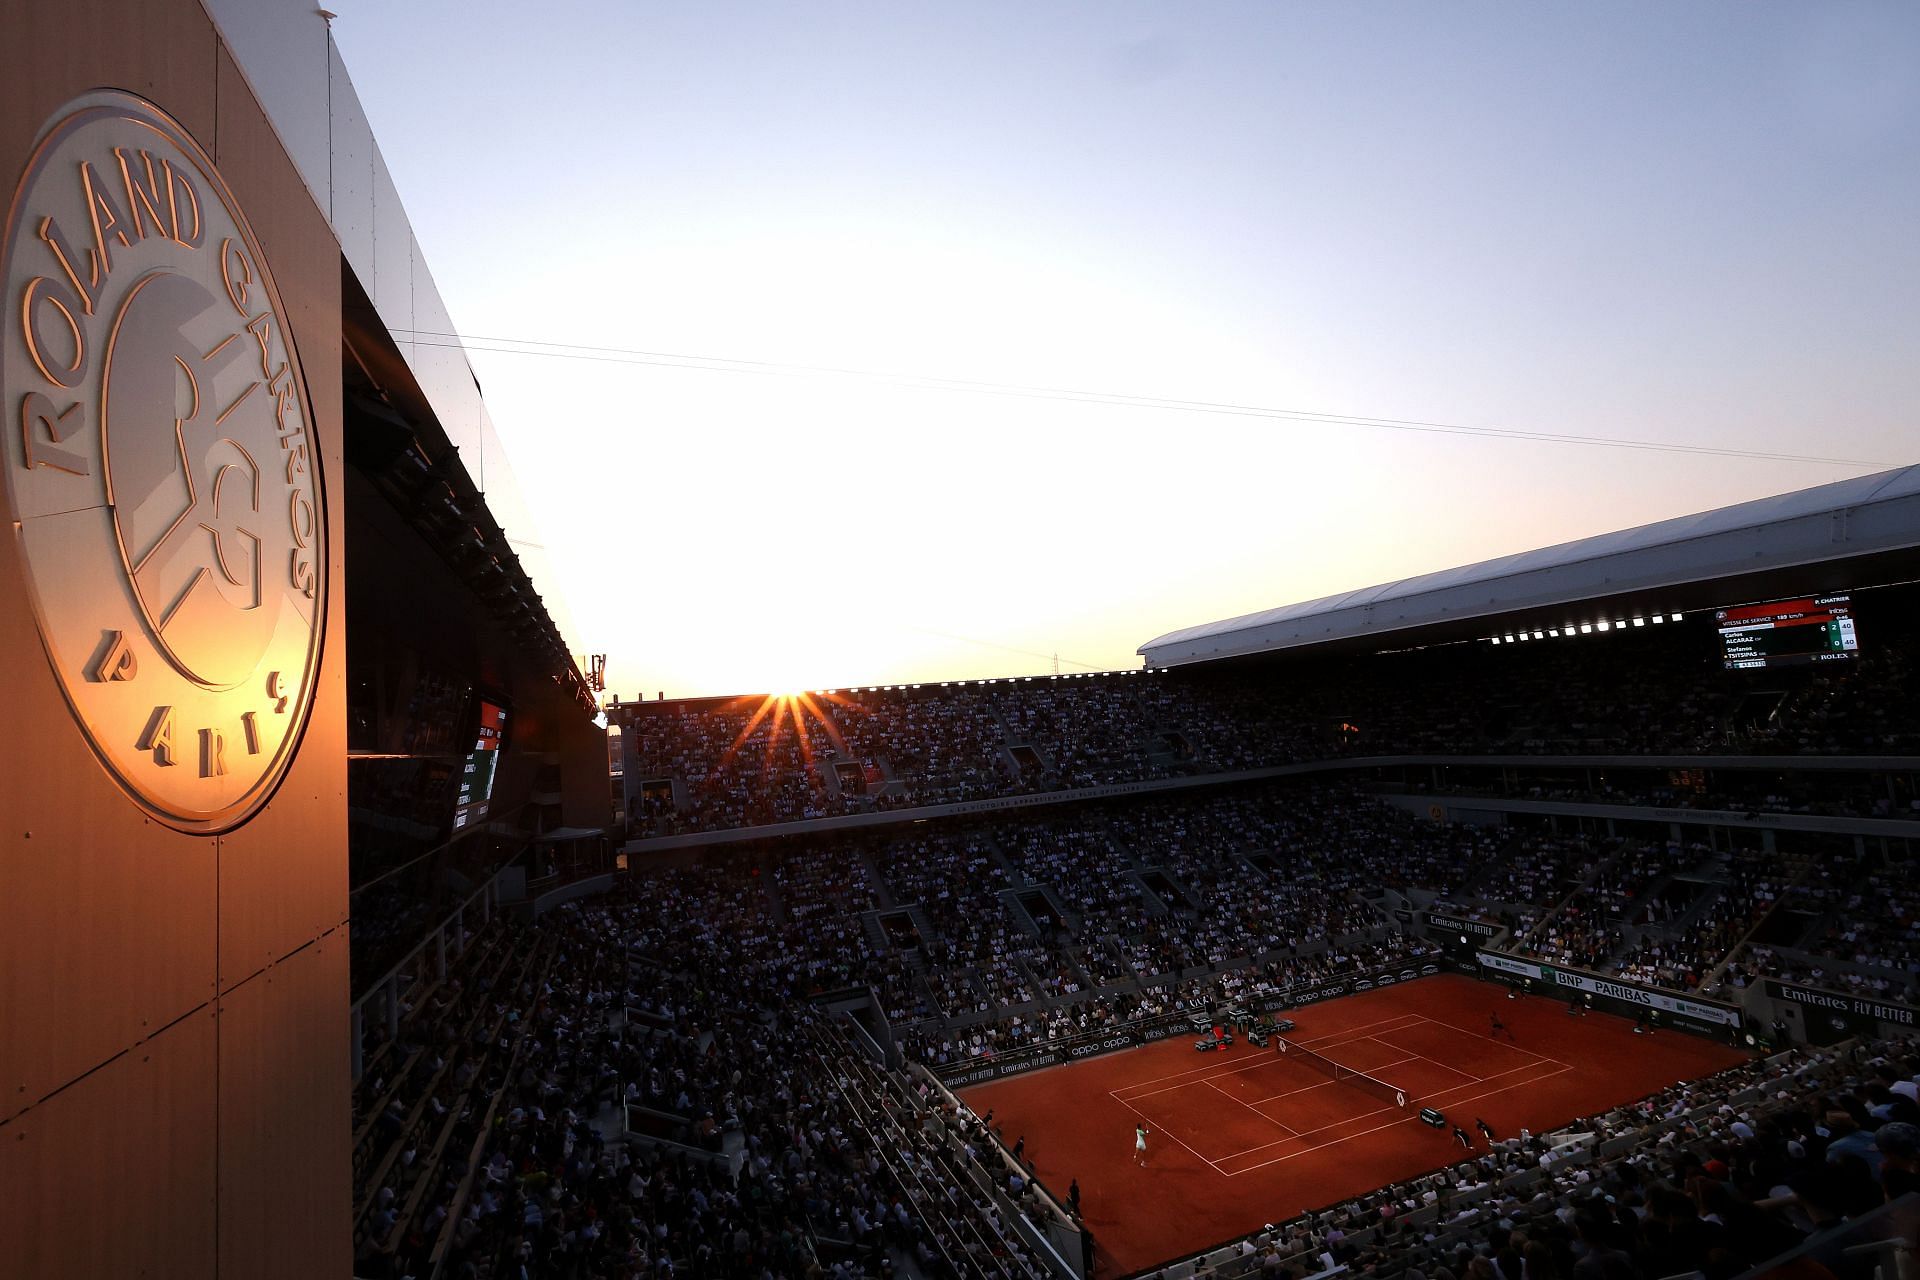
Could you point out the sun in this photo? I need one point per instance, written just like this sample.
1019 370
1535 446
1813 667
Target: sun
805 714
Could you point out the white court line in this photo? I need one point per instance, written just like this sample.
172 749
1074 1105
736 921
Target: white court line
1365 1026
1470 1077
1264 1058
1509 1071
1479 1038
1518 1084
1267 1062
1364 1132
1209 1073
1382 1067
1306 1133
1176 1137
1291 1132
1260 1060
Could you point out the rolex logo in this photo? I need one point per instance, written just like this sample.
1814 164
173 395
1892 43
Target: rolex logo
159 463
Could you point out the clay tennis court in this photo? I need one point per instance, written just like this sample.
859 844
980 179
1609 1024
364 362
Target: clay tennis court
1245 1136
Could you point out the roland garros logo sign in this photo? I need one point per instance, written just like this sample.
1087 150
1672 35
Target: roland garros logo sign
161 477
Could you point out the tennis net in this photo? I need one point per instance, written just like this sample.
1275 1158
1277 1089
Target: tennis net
1341 1072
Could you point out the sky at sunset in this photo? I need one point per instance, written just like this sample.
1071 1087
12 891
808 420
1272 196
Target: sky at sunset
1686 224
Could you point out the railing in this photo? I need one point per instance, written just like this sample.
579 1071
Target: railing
1060 1213
388 988
647 1135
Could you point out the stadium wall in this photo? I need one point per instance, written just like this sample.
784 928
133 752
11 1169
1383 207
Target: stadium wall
1710 1018
173 1002
1813 1015
1438 807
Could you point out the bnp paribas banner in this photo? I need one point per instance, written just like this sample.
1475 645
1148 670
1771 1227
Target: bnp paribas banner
1620 996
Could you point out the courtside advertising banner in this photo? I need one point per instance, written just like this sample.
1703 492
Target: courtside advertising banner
1828 1016
1620 997
1437 923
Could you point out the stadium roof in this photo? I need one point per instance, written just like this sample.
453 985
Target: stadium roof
1776 544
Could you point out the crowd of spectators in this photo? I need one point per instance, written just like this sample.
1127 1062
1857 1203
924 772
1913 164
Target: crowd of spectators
1758 960
497 1129
1635 691
951 1045
943 745
1587 927
1879 923
1001 920
637 1085
497 1134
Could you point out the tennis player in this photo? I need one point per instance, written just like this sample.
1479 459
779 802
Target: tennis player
1140 1143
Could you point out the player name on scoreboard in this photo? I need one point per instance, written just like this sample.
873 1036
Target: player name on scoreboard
1784 633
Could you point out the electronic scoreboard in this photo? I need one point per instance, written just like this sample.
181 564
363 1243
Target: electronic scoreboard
1787 633
477 770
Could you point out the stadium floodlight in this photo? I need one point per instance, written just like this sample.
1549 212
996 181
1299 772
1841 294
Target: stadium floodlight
1539 635
1602 624
1676 617
1554 632
1495 639
1658 619
1586 628
1639 622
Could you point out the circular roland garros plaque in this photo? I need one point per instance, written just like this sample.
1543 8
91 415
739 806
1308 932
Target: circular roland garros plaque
162 483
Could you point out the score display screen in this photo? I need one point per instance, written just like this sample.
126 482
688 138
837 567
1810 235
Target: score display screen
477 770
1787 633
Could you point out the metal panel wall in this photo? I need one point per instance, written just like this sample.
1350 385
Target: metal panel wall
289 59
173 1008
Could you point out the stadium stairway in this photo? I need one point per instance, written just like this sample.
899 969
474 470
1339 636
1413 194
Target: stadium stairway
823 769
1716 976
1534 935
921 921
776 903
1151 899
1017 910
882 891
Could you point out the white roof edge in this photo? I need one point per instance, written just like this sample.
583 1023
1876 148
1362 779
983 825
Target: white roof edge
1881 512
